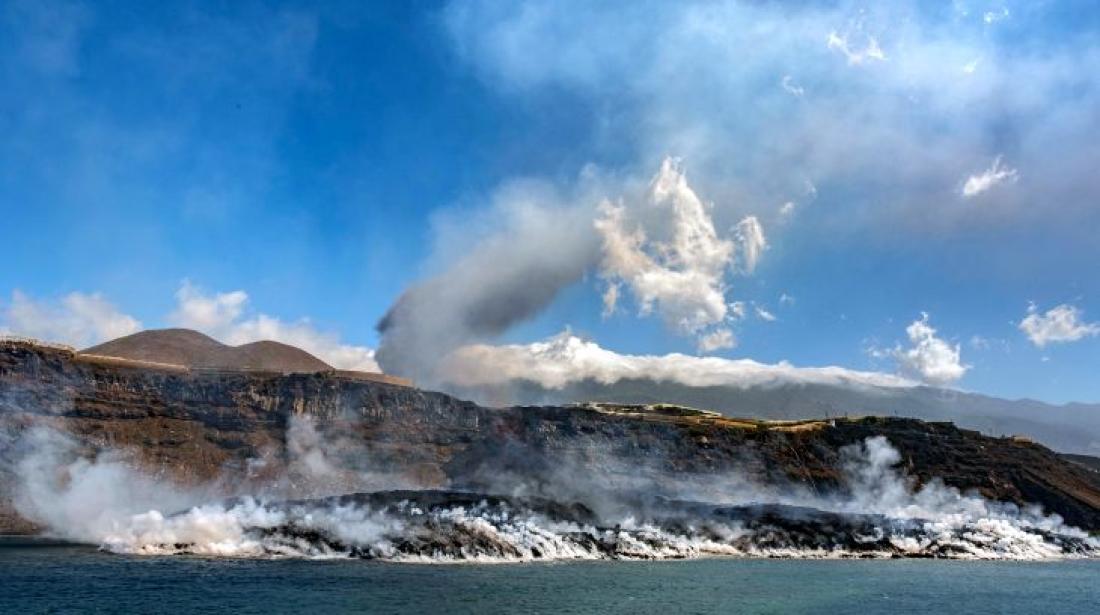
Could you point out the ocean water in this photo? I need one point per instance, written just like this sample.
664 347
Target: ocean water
38 576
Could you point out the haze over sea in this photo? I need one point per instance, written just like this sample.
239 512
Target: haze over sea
39 576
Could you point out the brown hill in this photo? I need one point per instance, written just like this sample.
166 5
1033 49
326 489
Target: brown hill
193 349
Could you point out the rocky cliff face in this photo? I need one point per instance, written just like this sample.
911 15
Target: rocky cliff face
318 434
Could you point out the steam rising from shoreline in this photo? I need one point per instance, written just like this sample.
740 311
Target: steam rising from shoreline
880 513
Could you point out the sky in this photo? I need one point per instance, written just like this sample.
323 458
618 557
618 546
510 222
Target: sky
905 192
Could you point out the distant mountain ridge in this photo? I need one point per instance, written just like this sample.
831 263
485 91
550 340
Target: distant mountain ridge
193 349
1070 428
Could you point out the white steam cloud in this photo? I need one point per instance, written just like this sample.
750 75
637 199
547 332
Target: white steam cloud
110 503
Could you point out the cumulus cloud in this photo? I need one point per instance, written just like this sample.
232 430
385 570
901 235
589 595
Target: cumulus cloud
666 251
566 359
929 358
1060 324
77 319
993 176
223 317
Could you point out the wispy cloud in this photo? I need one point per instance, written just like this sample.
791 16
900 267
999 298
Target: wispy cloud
995 175
751 243
790 87
763 314
869 51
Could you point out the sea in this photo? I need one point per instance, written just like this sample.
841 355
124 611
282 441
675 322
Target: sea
43 576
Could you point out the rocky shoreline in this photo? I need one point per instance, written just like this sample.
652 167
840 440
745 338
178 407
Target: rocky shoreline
242 430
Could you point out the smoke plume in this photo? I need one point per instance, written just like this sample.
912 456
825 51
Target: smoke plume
539 248
656 240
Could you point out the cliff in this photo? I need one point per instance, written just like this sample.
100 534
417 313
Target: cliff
195 427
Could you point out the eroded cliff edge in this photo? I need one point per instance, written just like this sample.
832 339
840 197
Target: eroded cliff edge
232 427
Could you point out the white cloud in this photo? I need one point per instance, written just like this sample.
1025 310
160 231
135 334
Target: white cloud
666 251
208 313
719 339
565 359
787 210
221 316
78 319
676 77
791 87
1062 323
930 358
751 242
994 175
737 310
610 299
785 299
763 314
870 51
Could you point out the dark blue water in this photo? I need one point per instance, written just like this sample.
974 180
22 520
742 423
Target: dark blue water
37 577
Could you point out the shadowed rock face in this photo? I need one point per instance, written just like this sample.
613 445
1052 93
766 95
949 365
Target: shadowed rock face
193 349
194 427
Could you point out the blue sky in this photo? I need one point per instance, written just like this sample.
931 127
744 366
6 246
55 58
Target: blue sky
935 159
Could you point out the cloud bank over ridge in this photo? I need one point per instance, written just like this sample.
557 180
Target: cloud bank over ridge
566 359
